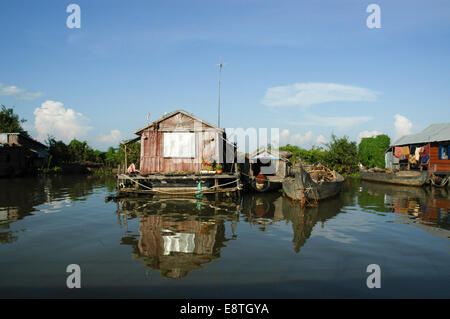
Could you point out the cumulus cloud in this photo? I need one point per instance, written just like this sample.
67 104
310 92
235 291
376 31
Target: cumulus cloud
113 137
307 94
55 120
18 92
366 133
402 126
321 139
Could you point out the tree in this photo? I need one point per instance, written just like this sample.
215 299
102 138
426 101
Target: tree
371 150
59 152
10 122
342 155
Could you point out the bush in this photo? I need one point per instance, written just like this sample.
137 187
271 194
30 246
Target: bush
342 155
371 150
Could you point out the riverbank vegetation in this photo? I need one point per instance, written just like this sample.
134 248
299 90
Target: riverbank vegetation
343 155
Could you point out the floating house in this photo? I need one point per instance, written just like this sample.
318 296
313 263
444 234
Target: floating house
266 169
181 153
20 154
424 151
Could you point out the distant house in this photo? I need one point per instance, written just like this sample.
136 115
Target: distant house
181 142
20 154
434 143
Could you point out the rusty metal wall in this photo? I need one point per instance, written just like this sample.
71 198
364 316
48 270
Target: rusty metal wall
152 159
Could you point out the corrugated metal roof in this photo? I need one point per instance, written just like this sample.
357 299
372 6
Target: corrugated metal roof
433 133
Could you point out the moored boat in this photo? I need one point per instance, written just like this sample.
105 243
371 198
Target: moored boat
410 178
303 188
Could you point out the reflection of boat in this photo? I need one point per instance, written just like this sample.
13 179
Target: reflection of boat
177 236
426 205
302 187
267 210
411 178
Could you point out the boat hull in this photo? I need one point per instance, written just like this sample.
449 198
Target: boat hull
409 178
292 188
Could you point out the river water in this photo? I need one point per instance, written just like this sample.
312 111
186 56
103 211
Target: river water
255 246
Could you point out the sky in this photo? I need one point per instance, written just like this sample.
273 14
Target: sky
307 68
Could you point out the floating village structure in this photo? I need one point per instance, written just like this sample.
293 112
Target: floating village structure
418 158
20 154
265 169
181 154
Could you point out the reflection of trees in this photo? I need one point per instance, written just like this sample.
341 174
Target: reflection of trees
20 196
177 236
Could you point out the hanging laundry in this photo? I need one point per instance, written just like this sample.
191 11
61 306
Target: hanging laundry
426 150
425 159
417 153
405 150
398 151
412 150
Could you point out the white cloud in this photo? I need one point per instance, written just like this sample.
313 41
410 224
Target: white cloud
402 126
321 139
306 94
64 124
113 137
285 137
18 92
340 122
366 133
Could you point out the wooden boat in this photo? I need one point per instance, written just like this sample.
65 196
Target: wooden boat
303 188
410 178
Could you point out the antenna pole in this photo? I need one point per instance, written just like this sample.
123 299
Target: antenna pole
218 104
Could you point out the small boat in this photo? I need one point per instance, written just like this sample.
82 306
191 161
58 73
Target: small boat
303 188
410 178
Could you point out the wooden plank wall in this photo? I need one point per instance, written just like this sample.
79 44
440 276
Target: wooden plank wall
152 157
441 165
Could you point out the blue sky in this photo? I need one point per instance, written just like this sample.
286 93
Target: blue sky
309 68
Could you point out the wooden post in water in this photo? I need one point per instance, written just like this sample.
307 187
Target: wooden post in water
126 164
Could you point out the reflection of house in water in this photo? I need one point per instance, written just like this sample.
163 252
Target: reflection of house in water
183 236
427 205
177 247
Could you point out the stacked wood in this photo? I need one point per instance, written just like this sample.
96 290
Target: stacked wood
320 173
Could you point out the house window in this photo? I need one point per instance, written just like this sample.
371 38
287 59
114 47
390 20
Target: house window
179 144
443 152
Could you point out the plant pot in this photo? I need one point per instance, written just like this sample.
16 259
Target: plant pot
219 171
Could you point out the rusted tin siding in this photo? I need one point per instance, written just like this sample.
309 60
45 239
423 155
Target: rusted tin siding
208 142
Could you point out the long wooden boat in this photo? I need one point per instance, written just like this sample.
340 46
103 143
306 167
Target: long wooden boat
303 188
410 178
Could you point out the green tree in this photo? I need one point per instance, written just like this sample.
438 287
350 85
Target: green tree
371 150
80 151
10 122
312 156
59 152
342 155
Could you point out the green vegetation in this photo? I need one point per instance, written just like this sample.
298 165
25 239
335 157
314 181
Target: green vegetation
10 122
80 152
342 155
371 150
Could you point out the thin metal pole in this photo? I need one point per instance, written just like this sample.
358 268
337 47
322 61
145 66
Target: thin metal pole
218 106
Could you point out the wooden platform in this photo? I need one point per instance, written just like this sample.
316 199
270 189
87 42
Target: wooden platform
177 184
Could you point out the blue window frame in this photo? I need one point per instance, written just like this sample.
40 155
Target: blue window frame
444 151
